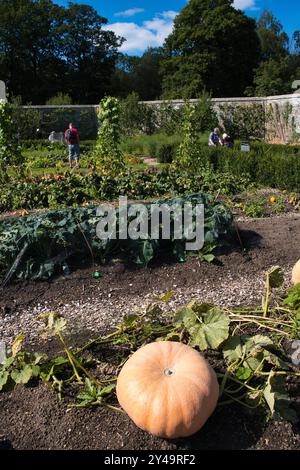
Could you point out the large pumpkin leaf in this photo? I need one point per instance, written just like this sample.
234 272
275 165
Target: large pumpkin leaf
22 376
212 331
4 376
238 347
254 350
277 398
207 326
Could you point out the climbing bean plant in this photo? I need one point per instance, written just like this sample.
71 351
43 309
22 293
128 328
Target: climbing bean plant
108 153
189 153
10 154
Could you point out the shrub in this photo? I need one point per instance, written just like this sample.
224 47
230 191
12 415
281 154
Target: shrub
149 145
136 117
167 153
60 99
26 121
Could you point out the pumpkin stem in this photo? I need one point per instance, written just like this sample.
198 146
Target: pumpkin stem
168 372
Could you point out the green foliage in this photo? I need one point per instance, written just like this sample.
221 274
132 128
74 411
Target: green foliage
93 395
139 74
150 145
60 99
39 246
136 117
188 155
130 118
46 61
25 120
293 298
274 41
206 254
243 122
272 78
207 326
254 208
10 154
108 152
167 153
205 116
20 367
203 51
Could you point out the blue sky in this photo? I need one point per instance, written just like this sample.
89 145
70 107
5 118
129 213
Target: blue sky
147 23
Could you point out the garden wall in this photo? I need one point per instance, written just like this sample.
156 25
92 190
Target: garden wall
57 118
282 115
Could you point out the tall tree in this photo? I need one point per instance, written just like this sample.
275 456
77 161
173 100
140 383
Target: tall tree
274 41
140 74
212 46
278 64
28 46
89 52
46 49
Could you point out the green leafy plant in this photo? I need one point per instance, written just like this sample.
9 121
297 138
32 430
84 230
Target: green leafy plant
254 208
206 254
10 155
108 153
41 245
189 151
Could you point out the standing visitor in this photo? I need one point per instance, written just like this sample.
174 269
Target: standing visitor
214 138
72 139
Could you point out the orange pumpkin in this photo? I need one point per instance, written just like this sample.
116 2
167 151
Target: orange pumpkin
296 273
168 389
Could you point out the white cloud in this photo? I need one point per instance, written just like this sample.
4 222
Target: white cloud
151 33
244 4
129 12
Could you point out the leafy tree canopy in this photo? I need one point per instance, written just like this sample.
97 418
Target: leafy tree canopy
46 48
212 46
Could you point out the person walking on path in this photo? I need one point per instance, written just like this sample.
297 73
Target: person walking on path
72 139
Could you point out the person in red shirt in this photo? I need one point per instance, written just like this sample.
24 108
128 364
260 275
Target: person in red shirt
72 139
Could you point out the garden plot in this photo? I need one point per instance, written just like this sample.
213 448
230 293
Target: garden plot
33 417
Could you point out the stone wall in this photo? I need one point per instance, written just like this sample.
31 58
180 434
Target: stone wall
269 102
80 114
57 118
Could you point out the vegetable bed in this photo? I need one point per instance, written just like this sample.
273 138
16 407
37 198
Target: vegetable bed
231 426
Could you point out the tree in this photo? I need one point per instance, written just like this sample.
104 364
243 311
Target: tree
140 74
28 59
212 46
46 49
274 41
271 78
278 66
59 99
89 52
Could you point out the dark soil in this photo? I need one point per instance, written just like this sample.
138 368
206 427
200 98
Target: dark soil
33 418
